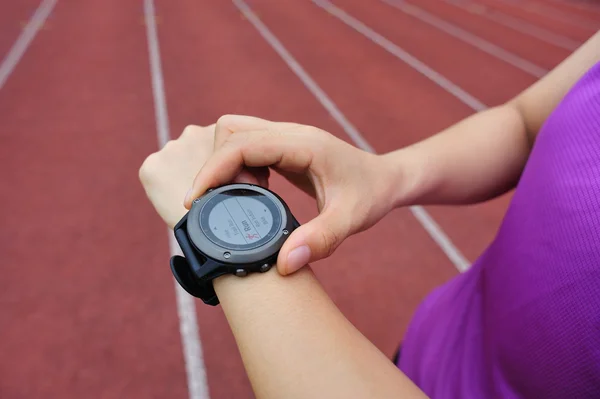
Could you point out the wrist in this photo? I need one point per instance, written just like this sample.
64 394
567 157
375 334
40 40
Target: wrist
407 175
254 287
174 217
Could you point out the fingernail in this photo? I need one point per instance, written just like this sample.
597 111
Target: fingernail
188 196
297 258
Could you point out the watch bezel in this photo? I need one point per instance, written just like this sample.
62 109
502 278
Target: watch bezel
230 255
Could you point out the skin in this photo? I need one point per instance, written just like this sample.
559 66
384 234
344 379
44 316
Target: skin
293 340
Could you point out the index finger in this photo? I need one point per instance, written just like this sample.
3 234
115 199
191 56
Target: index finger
252 149
230 124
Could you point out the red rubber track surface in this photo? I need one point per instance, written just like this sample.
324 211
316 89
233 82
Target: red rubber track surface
13 18
87 306
529 48
517 10
573 8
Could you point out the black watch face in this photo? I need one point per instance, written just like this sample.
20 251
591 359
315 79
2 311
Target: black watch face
240 219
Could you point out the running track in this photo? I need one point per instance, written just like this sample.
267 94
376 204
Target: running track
87 302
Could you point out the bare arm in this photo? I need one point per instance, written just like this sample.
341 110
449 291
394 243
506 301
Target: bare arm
483 155
295 343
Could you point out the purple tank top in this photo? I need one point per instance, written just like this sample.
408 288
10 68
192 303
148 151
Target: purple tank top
524 321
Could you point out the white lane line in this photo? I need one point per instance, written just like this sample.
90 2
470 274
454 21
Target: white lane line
310 84
186 309
434 230
16 52
516 24
553 14
407 58
190 336
467 37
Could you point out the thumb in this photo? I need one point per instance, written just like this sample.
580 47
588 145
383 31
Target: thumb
312 241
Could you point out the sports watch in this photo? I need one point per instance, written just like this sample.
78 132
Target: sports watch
233 229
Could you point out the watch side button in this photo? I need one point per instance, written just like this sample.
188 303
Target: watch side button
265 268
241 272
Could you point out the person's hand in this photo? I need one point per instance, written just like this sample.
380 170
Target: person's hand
167 174
352 187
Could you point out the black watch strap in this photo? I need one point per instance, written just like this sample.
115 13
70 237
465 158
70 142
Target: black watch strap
184 276
187 268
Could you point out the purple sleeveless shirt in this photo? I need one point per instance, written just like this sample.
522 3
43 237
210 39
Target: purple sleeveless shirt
524 321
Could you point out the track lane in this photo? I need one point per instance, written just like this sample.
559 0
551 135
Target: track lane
588 6
556 14
86 301
565 29
526 47
571 8
516 24
438 50
242 74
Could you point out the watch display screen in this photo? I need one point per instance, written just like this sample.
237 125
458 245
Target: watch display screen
240 219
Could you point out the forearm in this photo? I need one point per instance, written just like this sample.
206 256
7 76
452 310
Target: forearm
474 160
484 155
296 344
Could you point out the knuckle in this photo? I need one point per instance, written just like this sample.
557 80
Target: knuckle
308 130
190 130
225 121
198 136
148 168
